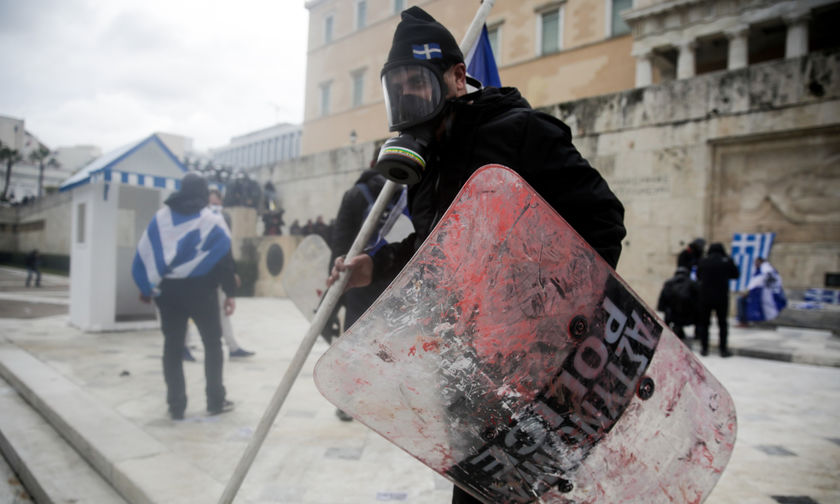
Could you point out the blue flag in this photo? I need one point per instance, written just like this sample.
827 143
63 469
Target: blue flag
480 61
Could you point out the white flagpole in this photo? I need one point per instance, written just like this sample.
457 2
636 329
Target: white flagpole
327 305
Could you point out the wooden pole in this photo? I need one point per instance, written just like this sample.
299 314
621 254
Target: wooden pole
327 305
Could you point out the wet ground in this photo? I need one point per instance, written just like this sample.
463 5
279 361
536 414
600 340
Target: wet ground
787 451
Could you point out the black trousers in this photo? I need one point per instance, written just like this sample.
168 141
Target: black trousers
181 300
721 310
30 272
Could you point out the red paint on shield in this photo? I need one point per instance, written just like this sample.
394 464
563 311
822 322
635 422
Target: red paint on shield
533 353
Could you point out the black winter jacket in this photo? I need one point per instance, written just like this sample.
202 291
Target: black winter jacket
351 212
714 273
499 126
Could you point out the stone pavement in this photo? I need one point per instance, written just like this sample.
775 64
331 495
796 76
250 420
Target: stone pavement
106 393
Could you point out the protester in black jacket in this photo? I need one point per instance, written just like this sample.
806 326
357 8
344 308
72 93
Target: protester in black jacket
678 301
355 206
691 255
427 101
714 273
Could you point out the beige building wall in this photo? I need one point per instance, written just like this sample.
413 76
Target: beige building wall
751 150
589 63
43 224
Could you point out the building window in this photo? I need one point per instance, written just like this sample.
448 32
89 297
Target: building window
767 41
328 29
551 31
80 223
493 34
361 14
617 24
399 6
325 98
358 87
822 29
711 54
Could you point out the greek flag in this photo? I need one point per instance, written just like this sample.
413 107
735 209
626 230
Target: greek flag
179 246
827 296
427 51
746 247
480 61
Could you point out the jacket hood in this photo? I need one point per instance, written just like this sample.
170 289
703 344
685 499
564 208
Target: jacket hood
717 249
487 103
372 178
192 196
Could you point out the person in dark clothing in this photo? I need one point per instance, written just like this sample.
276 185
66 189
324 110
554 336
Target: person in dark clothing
33 267
678 301
691 255
308 228
321 229
182 258
489 126
295 229
714 273
355 205
352 212
459 131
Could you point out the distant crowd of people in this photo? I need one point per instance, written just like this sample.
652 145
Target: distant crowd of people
11 200
318 227
700 287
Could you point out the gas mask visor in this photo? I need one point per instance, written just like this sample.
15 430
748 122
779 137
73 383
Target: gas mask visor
414 94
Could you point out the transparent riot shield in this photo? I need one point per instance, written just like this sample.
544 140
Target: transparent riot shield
305 278
510 358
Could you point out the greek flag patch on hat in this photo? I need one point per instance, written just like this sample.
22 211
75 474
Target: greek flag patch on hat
426 51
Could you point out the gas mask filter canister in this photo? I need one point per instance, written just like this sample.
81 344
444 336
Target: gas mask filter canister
402 159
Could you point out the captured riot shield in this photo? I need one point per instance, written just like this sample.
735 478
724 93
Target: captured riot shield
511 359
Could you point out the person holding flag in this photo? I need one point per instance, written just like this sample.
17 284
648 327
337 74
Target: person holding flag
447 133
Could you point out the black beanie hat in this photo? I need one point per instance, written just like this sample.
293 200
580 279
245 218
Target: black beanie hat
420 37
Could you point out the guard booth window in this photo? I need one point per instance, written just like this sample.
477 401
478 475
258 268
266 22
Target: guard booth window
80 223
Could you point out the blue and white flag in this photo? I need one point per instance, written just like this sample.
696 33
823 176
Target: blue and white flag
480 61
179 246
427 51
825 296
746 247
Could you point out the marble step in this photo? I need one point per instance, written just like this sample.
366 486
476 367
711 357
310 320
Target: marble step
49 468
138 466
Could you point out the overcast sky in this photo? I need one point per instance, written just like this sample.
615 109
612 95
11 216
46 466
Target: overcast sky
109 72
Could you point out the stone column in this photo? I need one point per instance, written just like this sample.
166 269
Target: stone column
738 47
685 60
796 43
644 69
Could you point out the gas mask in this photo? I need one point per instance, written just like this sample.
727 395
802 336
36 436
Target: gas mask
415 99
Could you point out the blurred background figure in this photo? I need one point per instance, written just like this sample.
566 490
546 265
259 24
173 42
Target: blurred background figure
678 302
33 268
714 273
765 297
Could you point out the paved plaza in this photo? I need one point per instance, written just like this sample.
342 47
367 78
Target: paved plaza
106 393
